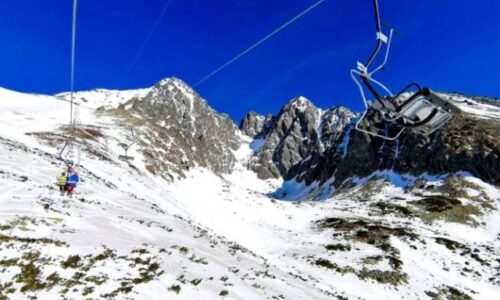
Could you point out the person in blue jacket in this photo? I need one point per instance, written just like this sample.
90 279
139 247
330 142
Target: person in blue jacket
73 180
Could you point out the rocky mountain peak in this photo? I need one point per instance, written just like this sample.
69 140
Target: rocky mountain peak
185 131
299 104
173 83
307 145
296 137
375 233
302 142
252 124
333 123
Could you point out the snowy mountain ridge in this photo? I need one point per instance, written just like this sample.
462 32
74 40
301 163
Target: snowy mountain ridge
188 217
104 98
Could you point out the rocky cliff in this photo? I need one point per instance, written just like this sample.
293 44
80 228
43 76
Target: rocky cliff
466 143
297 140
177 130
253 124
308 145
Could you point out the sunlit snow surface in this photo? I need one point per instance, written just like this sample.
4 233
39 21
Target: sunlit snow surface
206 236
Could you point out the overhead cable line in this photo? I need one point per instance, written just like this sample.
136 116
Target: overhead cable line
146 41
74 113
73 46
270 35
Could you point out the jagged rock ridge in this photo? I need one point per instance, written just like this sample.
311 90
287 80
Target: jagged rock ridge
296 139
252 124
307 145
178 130
302 142
127 233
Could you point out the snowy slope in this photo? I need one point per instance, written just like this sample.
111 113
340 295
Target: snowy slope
477 108
128 234
122 212
103 97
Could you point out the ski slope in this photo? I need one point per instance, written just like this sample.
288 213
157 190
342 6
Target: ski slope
128 234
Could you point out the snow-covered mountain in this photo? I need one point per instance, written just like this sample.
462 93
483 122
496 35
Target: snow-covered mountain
196 214
296 143
307 145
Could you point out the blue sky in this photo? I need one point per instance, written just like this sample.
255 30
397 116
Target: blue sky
448 45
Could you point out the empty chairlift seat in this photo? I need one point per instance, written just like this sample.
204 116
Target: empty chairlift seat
414 108
423 111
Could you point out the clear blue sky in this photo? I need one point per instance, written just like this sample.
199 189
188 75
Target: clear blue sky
448 45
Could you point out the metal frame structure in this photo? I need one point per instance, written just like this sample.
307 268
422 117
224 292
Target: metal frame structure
69 143
421 111
126 147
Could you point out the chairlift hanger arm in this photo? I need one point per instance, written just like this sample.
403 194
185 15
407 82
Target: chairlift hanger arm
414 108
372 90
133 138
386 56
379 38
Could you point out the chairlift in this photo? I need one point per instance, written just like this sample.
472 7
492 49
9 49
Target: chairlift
414 108
126 147
65 153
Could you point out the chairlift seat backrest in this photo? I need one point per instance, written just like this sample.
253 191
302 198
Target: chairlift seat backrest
426 116
424 111
435 123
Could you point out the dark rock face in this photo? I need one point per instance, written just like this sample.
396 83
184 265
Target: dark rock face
178 130
291 139
257 126
334 130
296 141
466 143
306 144
252 124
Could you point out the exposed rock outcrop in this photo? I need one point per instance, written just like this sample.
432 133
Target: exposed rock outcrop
297 140
466 143
178 130
252 124
308 145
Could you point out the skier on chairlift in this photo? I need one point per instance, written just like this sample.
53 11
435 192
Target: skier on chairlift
73 180
62 180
